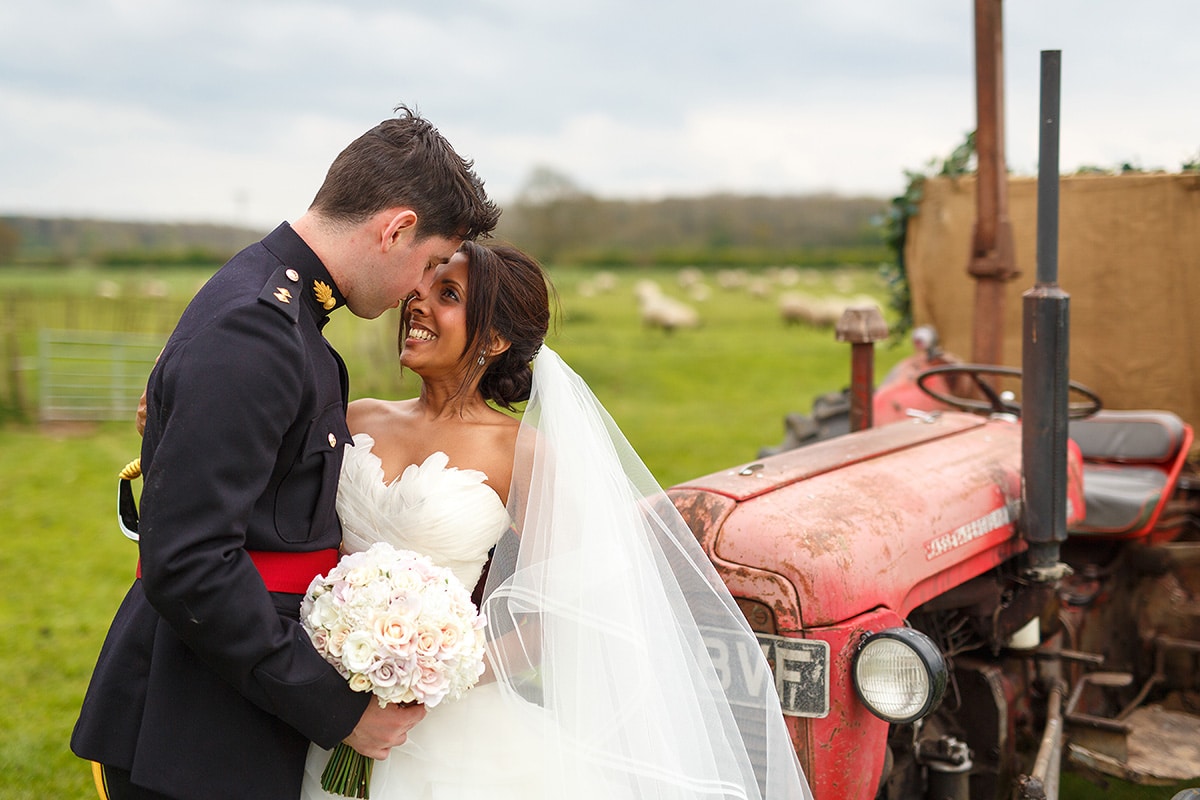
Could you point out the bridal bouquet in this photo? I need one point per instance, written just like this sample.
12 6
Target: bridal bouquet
395 624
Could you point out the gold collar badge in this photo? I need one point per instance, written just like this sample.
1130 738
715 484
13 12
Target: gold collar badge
324 295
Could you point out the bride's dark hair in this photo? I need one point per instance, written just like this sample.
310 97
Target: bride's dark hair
508 295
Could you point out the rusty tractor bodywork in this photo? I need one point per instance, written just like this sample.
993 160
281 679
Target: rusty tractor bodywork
919 524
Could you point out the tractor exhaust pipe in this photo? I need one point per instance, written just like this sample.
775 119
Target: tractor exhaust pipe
862 327
1045 348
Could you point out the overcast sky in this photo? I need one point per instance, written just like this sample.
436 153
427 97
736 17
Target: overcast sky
231 110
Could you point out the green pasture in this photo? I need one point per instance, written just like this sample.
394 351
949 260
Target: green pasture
692 402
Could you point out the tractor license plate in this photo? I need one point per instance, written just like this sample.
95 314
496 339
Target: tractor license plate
797 669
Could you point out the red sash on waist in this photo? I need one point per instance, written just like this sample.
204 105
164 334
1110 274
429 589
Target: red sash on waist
290 573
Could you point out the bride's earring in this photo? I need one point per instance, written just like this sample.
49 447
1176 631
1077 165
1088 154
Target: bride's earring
481 358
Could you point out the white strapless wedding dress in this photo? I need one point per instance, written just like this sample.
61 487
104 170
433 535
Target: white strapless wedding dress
490 743
607 688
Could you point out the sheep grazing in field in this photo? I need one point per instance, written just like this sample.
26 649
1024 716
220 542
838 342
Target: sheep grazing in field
646 289
669 314
600 283
660 311
843 281
759 288
689 277
797 308
788 277
819 312
155 289
605 281
732 278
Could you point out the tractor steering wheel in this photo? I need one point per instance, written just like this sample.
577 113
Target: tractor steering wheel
995 403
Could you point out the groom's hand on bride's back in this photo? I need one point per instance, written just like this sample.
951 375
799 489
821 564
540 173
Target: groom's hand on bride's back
139 418
381 729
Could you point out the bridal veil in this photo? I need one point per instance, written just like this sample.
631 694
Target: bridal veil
597 611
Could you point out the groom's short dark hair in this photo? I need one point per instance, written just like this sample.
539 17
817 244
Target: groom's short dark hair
406 162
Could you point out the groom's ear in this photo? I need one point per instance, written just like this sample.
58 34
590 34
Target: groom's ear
395 225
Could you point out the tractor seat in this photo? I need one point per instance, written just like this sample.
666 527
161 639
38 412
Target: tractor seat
1131 459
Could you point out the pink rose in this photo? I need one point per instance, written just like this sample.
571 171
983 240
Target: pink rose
451 638
337 637
432 682
429 642
384 673
395 634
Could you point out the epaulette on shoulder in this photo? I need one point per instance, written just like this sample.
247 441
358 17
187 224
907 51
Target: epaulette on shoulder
281 292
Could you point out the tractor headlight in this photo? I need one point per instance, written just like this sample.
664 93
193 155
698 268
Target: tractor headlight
900 675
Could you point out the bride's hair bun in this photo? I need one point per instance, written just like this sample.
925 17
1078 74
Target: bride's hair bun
508 295
507 384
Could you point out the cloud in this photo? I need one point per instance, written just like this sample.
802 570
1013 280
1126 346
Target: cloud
232 111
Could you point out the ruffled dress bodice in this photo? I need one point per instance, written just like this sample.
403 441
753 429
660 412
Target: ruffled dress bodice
446 513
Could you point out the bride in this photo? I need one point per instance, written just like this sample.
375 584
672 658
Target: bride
598 683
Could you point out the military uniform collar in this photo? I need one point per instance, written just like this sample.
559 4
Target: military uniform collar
320 293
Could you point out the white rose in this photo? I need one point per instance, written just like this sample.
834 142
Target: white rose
358 651
361 575
324 613
360 682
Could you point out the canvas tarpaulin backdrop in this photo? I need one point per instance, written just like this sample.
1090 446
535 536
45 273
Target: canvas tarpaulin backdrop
1128 257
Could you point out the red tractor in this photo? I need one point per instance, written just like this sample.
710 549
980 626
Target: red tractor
968 588
920 645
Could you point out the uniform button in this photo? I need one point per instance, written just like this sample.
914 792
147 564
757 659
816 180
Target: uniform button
292 275
332 440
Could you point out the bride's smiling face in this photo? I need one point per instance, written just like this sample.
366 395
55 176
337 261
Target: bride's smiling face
435 320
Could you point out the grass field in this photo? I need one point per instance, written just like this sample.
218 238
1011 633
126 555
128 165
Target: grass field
692 402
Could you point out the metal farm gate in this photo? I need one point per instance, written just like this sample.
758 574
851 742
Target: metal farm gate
89 375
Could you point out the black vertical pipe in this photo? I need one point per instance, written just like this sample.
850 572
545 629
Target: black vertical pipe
1045 352
1047 187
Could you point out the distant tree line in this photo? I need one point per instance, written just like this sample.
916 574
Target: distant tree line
10 241
63 241
562 223
559 222
551 217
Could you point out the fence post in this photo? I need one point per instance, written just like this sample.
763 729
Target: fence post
12 358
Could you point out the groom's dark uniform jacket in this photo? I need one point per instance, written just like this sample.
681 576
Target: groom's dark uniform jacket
207 686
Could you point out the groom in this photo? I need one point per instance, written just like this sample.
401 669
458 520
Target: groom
207 686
